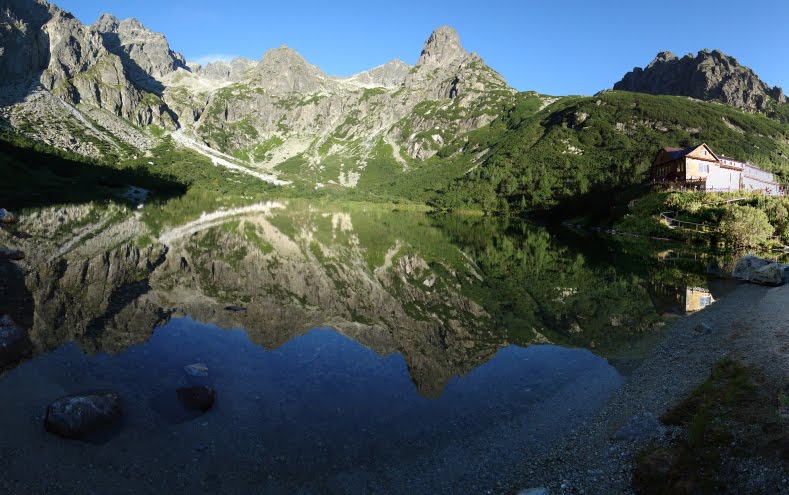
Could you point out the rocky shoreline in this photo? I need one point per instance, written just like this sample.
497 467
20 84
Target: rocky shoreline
597 458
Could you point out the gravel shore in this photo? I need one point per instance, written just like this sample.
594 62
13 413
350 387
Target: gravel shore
751 324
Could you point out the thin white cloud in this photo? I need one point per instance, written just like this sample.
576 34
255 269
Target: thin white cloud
214 57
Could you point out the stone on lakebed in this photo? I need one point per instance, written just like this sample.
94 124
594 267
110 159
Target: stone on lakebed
80 415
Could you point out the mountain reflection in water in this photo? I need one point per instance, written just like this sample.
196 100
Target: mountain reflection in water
429 372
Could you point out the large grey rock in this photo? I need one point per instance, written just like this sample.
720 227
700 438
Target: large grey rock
747 265
709 75
14 343
751 268
81 415
773 274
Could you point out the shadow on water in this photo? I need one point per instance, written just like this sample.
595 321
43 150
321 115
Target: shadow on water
35 175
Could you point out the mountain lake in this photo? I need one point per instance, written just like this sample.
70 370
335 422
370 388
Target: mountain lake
353 348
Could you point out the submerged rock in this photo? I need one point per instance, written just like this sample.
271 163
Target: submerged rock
534 491
14 344
751 268
199 398
197 369
77 416
640 427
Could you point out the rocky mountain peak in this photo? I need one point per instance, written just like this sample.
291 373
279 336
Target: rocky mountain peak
284 55
663 57
284 70
709 75
107 23
442 48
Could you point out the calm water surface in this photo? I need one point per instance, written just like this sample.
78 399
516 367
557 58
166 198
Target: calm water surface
377 352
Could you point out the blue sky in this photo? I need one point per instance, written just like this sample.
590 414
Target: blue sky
556 46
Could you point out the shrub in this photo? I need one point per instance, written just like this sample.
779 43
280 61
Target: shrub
746 226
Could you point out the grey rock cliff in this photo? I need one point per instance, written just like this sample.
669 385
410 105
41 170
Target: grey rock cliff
24 47
709 75
146 55
47 50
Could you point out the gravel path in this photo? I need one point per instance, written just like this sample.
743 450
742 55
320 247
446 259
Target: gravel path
751 324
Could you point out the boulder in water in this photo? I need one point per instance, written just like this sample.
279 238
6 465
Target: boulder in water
81 415
751 268
197 369
199 398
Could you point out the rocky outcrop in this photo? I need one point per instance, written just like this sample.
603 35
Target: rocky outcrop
709 75
82 415
146 55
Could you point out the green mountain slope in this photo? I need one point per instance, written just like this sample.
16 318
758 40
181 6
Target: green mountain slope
581 146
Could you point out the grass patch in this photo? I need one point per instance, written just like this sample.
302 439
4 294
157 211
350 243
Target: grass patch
731 415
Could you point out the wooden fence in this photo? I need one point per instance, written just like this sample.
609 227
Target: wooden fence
674 223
